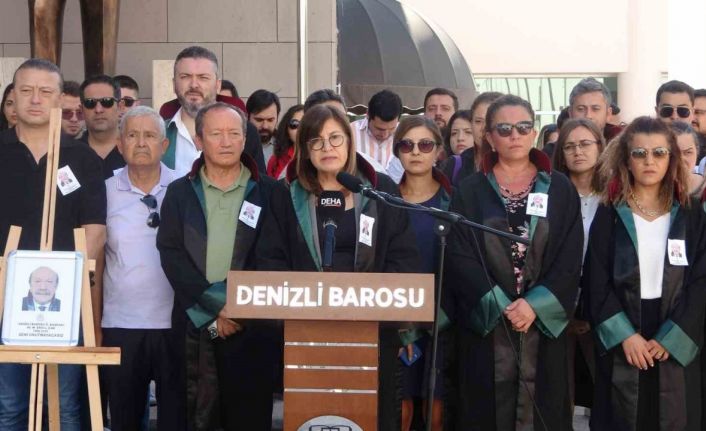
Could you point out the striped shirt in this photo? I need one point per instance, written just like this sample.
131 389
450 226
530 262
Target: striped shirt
366 143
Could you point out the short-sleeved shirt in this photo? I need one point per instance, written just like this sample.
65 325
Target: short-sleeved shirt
22 192
112 163
222 211
136 292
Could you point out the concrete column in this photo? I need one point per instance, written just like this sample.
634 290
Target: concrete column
8 65
647 58
162 86
687 41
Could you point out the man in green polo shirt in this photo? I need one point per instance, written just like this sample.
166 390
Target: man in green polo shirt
211 220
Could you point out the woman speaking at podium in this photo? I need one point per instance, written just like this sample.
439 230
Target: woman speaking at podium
511 338
370 237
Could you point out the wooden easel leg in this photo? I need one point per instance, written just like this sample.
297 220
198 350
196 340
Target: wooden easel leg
32 397
53 397
94 397
40 396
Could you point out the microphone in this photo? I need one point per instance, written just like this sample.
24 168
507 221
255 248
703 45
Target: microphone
355 185
331 208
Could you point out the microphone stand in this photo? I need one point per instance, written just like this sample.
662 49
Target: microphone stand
445 220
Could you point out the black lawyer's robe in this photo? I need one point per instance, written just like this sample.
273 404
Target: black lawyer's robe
490 394
611 281
290 243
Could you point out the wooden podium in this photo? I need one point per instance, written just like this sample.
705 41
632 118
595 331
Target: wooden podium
330 336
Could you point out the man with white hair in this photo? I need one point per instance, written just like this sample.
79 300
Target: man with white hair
137 297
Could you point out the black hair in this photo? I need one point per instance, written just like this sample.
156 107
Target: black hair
701 92
40 64
464 114
321 96
218 105
72 88
261 100
125 81
441 92
227 85
675 86
4 124
282 141
385 105
99 79
197 52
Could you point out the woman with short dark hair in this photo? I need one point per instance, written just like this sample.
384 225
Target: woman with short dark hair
511 338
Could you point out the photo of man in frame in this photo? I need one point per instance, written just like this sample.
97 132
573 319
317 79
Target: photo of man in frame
43 282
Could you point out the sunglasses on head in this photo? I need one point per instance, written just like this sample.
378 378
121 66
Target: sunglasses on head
68 114
127 101
106 102
666 111
424 145
641 153
293 124
151 203
505 129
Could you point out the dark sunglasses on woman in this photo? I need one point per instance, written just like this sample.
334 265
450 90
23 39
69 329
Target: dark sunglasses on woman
641 153
424 145
293 124
505 129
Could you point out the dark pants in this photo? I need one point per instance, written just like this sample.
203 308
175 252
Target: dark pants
146 354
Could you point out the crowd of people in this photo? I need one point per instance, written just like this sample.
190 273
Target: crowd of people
601 305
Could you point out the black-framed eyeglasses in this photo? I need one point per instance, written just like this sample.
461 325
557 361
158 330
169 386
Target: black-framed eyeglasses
127 101
106 102
151 203
293 124
407 145
505 129
666 111
640 153
335 140
583 145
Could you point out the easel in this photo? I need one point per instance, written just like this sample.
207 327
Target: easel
48 358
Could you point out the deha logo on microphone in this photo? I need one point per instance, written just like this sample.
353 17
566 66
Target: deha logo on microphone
331 202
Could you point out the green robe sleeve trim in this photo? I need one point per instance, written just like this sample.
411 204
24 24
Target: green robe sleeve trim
410 336
209 305
551 316
625 214
300 200
487 313
615 330
169 156
679 345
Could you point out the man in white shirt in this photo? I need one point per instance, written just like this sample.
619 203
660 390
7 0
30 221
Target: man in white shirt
373 135
196 85
137 297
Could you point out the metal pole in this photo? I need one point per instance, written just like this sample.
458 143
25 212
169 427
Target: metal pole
301 50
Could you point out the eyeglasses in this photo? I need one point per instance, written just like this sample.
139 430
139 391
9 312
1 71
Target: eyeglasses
127 101
293 124
106 102
641 153
407 145
666 111
151 203
572 147
335 140
68 114
505 129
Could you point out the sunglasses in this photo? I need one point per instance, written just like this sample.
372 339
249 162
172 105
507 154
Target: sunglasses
657 153
127 101
151 203
424 145
666 111
68 114
293 124
505 129
106 102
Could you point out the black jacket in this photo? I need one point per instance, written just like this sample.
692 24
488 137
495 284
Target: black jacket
467 168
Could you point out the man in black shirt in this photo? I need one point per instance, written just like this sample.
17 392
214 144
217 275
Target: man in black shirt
23 165
99 100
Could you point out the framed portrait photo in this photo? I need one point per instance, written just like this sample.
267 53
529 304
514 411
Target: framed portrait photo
42 298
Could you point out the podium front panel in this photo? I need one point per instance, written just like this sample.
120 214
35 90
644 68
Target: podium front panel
330 375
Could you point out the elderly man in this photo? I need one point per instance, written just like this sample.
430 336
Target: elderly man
43 282
80 202
211 221
137 297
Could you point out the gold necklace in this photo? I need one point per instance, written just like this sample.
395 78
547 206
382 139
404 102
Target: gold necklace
648 213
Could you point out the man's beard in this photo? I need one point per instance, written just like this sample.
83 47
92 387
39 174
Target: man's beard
193 108
265 136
